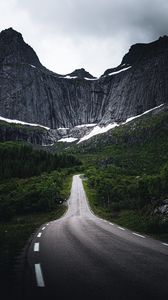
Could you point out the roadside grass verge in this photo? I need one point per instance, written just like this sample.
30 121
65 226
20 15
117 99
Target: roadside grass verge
15 233
139 221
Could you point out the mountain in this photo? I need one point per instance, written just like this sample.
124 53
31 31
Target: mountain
80 73
13 49
31 93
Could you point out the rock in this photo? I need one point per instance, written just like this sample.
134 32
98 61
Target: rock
31 93
33 135
80 73
165 201
162 209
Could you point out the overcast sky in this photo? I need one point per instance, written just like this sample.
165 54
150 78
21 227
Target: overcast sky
94 34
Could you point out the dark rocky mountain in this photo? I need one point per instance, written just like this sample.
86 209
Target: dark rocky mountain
80 73
13 49
31 93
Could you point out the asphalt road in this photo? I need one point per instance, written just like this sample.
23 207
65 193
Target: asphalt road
81 256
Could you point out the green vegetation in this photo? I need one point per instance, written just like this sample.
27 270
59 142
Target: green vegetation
22 161
13 237
32 195
34 185
127 172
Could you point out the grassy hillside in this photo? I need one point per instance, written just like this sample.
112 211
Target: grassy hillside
140 147
127 171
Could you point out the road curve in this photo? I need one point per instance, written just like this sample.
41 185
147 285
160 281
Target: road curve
81 256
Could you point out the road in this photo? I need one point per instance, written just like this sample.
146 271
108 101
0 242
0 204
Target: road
81 256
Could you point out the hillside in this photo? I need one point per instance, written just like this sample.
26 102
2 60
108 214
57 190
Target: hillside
126 170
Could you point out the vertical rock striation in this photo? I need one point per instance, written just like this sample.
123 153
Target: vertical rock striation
31 93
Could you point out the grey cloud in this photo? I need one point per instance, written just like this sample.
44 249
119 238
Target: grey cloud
99 18
95 33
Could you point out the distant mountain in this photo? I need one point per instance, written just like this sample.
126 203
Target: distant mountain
13 49
80 73
31 93
141 53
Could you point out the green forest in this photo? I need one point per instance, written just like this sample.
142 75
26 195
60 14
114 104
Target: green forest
21 161
31 180
127 174
33 187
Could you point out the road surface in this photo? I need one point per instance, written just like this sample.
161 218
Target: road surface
81 256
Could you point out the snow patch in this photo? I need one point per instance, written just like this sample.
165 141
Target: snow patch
117 72
86 125
98 130
68 140
22 123
144 113
90 78
62 128
69 77
47 145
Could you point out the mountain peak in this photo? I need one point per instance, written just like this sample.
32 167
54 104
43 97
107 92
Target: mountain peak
10 32
139 53
143 51
13 49
81 73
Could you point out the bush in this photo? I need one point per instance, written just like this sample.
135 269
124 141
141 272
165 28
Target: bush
36 194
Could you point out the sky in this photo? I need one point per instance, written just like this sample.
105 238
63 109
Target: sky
90 34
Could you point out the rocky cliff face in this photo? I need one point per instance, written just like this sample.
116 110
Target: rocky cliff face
33 135
31 93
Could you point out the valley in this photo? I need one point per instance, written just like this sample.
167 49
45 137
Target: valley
114 131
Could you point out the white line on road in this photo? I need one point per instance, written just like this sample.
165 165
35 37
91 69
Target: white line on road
43 228
39 276
111 223
36 247
121 228
47 224
39 234
165 244
142 236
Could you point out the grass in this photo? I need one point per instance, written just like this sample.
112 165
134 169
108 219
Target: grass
130 219
15 233
128 166
13 237
139 147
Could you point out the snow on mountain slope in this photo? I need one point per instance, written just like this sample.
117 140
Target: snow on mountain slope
79 133
98 130
102 129
68 140
120 71
22 123
144 113
35 95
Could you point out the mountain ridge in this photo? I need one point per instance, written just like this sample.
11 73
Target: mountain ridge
31 93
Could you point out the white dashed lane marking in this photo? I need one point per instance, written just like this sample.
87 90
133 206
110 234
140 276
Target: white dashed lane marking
165 244
121 228
36 247
39 234
39 276
43 228
142 236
